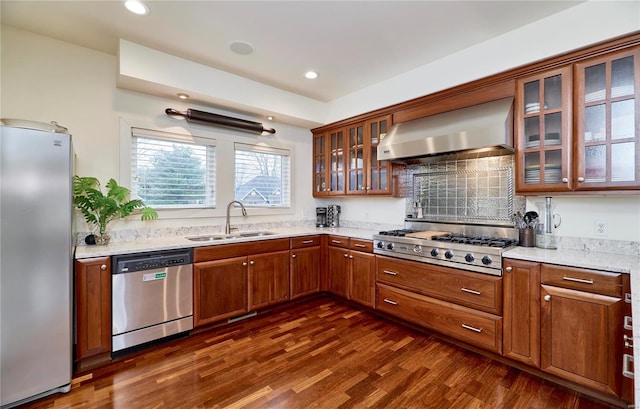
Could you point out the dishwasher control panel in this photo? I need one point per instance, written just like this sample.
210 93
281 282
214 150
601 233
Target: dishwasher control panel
150 261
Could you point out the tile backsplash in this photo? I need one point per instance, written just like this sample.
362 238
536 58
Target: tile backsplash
476 191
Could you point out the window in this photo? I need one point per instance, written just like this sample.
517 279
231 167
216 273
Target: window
171 170
262 176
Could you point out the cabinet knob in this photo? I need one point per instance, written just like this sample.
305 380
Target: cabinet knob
508 269
346 255
103 267
350 256
252 262
580 179
565 180
244 263
293 256
547 297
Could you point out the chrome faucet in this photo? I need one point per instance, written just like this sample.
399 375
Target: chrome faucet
227 226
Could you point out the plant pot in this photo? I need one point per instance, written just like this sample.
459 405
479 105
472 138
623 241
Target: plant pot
103 240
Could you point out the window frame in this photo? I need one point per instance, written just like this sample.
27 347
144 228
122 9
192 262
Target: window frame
262 148
225 160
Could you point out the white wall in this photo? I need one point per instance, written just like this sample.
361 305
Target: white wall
45 79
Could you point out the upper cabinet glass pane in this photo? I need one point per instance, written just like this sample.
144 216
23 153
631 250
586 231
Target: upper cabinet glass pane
595 83
374 133
595 123
623 162
319 144
532 132
553 129
623 122
553 92
532 97
622 78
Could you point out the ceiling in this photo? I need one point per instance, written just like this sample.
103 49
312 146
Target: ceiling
352 44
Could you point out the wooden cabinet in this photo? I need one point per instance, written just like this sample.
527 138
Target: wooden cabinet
362 272
305 265
601 96
366 175
466 324
607 117
543 125
478 291
220 290
338 274
329 163
268 279
581 329
352 269
345 161
522 311
222 286
569 322
466 306
93 311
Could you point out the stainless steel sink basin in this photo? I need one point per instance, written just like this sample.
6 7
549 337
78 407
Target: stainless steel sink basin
214 237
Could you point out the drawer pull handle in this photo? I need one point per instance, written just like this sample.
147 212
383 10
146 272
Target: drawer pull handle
627 360
627 298
577 280
360 245
628 341
336 241
307 241
466 290
388 301
470 328
628 323
391 273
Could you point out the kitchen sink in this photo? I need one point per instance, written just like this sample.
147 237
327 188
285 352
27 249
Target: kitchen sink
214 237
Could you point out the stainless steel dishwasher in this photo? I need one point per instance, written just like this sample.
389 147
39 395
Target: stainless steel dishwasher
152 297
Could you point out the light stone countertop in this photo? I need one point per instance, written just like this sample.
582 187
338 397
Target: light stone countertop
176 242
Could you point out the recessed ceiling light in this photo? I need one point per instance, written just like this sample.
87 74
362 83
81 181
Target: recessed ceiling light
241 47
182 95
136 7
312 75
269 118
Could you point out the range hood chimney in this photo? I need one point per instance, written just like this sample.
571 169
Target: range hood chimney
480 130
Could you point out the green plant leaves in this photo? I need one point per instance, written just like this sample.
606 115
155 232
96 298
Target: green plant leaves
99 209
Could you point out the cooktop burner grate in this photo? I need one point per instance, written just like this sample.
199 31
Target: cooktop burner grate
397 233
477 240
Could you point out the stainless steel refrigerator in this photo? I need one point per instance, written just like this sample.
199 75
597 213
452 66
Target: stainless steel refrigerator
36 254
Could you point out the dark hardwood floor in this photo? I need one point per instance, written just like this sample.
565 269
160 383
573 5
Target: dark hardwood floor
318 354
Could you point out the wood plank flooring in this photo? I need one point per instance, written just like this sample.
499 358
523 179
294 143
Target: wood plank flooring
319 354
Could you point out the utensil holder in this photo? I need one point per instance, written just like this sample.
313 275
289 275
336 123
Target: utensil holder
527 238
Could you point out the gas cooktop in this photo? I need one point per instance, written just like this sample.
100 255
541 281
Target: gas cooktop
468 247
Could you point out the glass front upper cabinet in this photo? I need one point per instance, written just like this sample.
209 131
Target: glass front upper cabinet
543 131
608 144
328 163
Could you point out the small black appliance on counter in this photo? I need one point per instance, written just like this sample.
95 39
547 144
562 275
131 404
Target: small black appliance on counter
333 216
321 217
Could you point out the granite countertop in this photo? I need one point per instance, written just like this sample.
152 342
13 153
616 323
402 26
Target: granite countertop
175 242
576 258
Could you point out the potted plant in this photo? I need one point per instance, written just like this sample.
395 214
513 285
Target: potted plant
99 209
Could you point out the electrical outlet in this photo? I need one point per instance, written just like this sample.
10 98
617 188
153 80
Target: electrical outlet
601 228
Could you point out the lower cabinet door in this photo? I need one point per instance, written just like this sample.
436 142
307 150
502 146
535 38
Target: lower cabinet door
338 273
305 271
580 337
268 279
220 289
465 324
362 278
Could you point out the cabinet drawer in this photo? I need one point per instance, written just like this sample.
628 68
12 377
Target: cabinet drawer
471 326
592 281
223 251
483 292
361 245
306 241
339 241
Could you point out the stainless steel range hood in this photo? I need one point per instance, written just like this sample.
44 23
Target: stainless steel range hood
480 130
